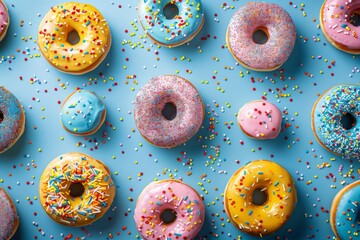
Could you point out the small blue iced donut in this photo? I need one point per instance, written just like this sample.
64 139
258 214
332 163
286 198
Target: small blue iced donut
344 212
82 113
336 120
164 26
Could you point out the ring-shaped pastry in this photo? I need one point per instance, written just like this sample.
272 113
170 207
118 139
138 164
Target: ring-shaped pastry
12 120
168 92
74 37
270 19
249 214
76 189
169 209
169 29
336 120
337 26
9 218
4 20
344 212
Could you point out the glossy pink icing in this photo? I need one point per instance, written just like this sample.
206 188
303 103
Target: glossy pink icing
174 195
4 17
260 119
336 25
150 102
281 31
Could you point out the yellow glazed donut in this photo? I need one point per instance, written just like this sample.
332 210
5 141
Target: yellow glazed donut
58 41
76 189
272 182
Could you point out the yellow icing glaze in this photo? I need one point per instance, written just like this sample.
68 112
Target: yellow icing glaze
92 28
56 180
267 218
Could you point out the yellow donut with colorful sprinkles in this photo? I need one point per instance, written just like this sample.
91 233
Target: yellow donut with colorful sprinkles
260 197
76 189
74 37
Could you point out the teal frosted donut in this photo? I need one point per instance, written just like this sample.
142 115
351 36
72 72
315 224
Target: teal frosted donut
12 119
82 113
336 120
171 22
344 212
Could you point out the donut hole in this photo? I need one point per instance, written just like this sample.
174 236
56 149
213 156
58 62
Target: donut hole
170 11
348 120
169 111
259 197
260 36
76 189
1 116
73 37
168 216
354 18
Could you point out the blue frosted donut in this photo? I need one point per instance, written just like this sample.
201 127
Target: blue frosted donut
12 119
168 30
82 113
336 120
344 212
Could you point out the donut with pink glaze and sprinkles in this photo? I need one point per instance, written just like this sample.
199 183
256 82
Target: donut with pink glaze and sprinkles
272 20
260 119
169 209
337 26
4 20
168 111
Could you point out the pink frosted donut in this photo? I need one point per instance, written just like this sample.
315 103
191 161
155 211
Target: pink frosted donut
269 18
4 20
260 119
169 209
153 101
338 30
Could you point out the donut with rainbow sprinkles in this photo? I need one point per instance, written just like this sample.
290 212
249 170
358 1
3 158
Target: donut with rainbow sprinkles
171 22
260 197
76 189
336 120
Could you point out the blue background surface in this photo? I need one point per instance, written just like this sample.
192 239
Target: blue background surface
212 156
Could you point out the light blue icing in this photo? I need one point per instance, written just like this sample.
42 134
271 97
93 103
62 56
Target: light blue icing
82 112
171 31
327 116
347 214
